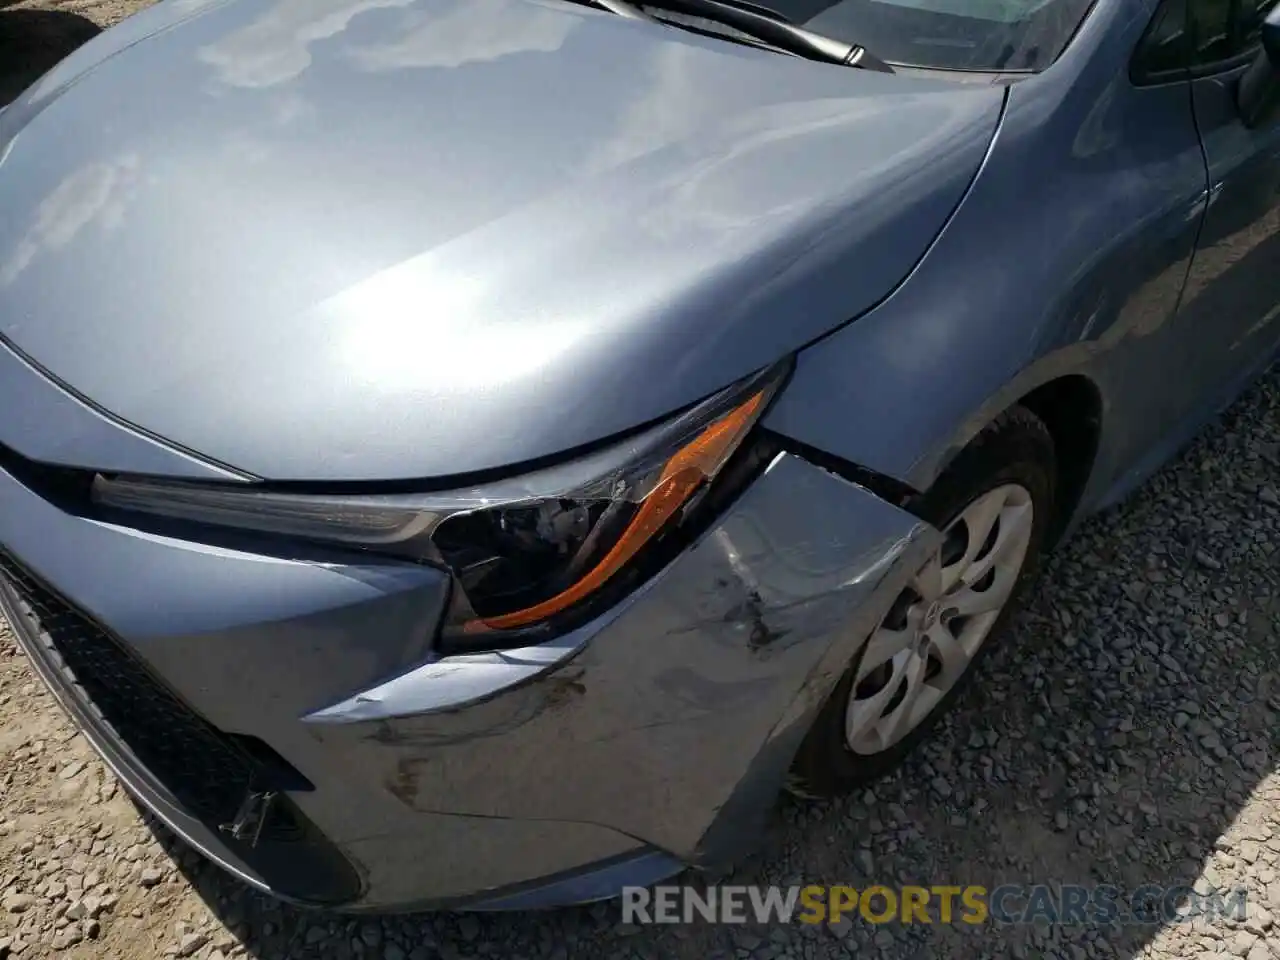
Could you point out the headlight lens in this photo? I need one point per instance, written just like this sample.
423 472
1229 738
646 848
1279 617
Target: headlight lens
522 551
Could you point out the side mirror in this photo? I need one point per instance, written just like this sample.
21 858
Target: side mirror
1258 96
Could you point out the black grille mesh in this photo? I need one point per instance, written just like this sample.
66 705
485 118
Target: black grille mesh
203 768
207 771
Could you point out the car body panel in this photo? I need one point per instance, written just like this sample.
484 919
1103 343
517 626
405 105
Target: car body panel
46 423
303 288
1234 286
668 724
1103 237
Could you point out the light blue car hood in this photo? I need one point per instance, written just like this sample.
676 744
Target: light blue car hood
381 239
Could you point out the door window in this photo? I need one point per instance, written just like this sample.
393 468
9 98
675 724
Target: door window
1224 33
1163 54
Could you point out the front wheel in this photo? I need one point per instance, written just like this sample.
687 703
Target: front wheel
993 506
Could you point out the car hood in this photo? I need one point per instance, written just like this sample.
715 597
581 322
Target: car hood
384 239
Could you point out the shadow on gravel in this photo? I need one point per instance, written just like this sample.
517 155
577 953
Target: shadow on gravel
1114 739
32 41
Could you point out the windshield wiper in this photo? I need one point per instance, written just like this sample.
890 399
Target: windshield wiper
750 20
622 8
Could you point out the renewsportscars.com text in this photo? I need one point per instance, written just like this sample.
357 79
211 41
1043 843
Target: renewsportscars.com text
972 904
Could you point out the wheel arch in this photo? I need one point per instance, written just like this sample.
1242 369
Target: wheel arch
1071 406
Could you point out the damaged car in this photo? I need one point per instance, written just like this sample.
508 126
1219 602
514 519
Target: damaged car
477 453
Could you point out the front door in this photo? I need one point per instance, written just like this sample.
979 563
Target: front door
1233 289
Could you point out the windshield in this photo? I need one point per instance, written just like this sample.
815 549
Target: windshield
984 35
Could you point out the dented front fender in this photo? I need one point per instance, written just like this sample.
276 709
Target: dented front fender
675 719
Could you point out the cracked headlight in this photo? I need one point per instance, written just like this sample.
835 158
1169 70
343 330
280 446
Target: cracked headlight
524 553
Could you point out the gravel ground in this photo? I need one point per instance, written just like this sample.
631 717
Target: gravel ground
1126 735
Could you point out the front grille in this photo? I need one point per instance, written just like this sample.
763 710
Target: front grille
209 773
205 771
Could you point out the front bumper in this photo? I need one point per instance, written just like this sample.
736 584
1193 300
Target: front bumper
655 737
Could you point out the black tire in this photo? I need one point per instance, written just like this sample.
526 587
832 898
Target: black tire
1016 448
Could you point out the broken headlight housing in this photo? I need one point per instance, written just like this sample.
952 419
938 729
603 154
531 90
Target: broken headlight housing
526 553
